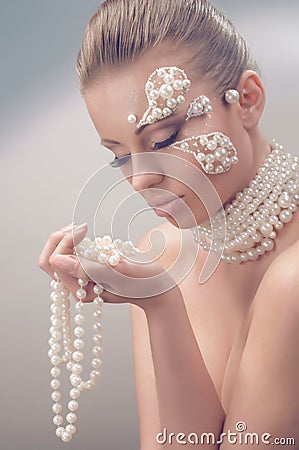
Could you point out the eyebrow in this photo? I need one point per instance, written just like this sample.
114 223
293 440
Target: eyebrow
140 130
109 141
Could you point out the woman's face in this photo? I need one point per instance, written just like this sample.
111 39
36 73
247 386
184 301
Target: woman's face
170 181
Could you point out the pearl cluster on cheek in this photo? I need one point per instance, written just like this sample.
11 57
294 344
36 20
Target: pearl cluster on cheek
214 151
102 250
257 214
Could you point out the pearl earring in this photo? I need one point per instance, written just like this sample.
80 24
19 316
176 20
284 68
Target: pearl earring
201 105
232 96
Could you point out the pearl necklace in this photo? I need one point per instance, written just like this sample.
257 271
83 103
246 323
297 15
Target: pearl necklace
103 250
248 226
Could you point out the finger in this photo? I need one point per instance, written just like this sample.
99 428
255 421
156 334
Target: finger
63 266
70 269
67 243
50 247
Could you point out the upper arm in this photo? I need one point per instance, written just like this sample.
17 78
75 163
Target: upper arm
266 390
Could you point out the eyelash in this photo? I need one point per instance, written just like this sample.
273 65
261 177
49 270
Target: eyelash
117 162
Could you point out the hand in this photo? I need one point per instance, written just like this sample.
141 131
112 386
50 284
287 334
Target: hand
131 281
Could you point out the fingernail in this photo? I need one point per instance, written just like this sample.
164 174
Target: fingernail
80 228
68 227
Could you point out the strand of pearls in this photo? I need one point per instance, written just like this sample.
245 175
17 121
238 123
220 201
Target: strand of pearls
251 222
103 250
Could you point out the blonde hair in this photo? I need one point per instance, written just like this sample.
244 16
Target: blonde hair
122 30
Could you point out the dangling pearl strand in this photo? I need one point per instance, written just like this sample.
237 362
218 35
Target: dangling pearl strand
257 214
105 250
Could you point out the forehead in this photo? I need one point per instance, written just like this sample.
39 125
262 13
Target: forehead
120 92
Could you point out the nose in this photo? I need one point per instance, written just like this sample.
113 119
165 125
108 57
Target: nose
145 172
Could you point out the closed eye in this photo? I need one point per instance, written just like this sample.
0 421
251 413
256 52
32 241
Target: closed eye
166 143
119 161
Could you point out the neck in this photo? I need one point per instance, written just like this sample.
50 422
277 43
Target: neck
248 226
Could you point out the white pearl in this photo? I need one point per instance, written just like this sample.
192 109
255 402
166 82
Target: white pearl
97 326
95 374
279 225
70 365
97 339
70 428
181 99
154 94
114 260
77 368
285 216
81 293
157 113
73 405
75 380
79 331
171 103
56 396
96 363
266 229
98 289
57 420
212 145
187 84
89 385
78 344
55 384
232 96
132 118
75 393
178 85
57 408
79 306
166 91
169 79
66 437
79 319
59 431
55 347
78 356
267 244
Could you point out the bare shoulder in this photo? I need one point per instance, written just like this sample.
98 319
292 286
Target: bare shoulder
166 239
285 268
280 284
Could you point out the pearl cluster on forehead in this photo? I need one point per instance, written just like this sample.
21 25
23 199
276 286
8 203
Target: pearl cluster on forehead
103 250
253 219
201 105
165 90
214 151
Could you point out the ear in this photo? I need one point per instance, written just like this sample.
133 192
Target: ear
252 98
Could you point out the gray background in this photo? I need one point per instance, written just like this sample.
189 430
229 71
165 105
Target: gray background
48 150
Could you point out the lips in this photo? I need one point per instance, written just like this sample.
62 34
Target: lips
160 203
166 207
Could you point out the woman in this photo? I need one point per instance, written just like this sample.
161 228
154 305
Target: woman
174 79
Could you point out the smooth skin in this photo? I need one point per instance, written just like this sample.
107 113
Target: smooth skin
211 355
